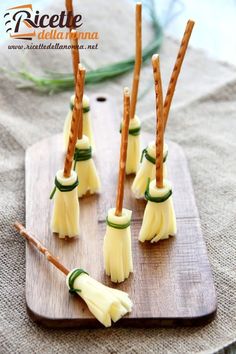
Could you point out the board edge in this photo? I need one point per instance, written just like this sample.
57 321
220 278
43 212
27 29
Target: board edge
92 323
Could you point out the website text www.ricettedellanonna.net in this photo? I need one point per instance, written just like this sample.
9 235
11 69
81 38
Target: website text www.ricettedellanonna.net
59 46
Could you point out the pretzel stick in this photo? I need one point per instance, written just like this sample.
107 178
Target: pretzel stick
81 94
33 240
159 120
74 41
75 122
75 53
123 152
69 9
177 68
138 60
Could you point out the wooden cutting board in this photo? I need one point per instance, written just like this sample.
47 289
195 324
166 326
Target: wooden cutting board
172 282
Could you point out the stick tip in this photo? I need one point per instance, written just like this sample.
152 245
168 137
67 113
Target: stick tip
191 23
155 61
138 4
80 75
73 37
126 91
18 226
81 67
155 57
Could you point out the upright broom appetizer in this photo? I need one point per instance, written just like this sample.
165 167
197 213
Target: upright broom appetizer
117 241
84 164
87 126
159 220
105 304
133 152
65 217
147 168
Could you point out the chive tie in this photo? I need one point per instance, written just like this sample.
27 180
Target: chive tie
162 199
75 274
63 188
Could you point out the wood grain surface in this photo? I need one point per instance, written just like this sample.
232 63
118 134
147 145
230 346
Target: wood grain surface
172 282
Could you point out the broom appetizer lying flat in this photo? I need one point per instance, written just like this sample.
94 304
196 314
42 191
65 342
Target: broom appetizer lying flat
147 168
87 126
106 304
117 241
65 217
133 152
159 220
83 162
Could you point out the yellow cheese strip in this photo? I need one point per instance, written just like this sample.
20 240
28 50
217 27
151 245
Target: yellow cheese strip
147 171
65 216
117 247
133 151
159 221
86 171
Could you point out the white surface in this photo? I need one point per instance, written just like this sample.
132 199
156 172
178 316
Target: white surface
215 26
214 31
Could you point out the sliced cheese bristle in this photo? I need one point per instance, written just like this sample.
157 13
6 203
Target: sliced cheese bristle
133 151
87 174
117 249
147 170
159 221
65 216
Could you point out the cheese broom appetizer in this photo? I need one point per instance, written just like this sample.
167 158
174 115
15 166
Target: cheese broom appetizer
147 168
106 304
159 220
83 162
87 126
65 216
133 151
117 241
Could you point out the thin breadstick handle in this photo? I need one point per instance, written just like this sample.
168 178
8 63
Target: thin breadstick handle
159 120
123 153
80 94
74 53
177 68
37 244
138 60
76 117
69 8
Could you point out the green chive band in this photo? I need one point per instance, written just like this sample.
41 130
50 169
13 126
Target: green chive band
62 188
82 155
134 131
150 158
85 109
117 226
156 199
75 274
